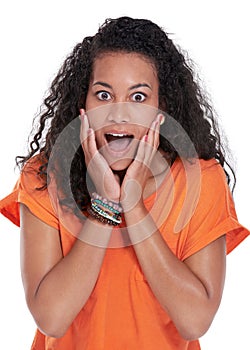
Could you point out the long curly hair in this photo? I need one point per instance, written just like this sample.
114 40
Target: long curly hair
180 96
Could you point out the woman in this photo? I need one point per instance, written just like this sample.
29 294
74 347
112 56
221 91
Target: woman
125 211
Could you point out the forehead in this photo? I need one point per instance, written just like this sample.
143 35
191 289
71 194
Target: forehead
120 63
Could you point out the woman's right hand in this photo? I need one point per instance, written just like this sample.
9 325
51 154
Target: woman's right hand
105 182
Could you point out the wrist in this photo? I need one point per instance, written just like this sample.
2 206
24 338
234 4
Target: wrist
95 233
131 201
135 211
140 224
104 210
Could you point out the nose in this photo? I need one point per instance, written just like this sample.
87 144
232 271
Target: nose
119 112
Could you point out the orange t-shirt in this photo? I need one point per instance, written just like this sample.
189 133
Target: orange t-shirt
192 207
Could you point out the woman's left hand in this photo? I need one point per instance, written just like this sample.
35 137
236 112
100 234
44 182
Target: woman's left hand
139 171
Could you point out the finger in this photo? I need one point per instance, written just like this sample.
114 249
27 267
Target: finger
157 131
153 133
87 137
82 111
150 142
91 142
84 125
150 138
144 150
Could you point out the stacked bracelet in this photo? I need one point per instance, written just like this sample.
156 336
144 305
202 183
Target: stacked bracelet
100 218
104 210
113 206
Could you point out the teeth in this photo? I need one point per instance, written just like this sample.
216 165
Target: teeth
117 135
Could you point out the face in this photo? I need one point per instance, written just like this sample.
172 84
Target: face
122 102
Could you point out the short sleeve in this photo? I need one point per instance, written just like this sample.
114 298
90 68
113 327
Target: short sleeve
28 190
214 214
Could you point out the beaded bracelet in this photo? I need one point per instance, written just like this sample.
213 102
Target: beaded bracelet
113 206
104 210
101 218
104 205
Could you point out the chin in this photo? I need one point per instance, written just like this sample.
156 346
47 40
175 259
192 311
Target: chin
121 164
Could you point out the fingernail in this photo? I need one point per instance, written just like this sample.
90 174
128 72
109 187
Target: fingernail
90 131
162 119
81 117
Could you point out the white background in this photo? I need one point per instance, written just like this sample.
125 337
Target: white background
35 38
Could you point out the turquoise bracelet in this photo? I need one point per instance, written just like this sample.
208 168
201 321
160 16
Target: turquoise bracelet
110 216
105 202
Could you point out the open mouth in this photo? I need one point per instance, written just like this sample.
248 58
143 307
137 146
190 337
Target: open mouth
118 142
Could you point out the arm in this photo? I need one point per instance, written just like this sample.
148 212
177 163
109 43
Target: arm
57 287
189 291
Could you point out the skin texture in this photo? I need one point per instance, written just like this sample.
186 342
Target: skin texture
57 287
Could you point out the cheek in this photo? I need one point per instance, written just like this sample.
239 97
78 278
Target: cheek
89 104
139 115
97 115
142 114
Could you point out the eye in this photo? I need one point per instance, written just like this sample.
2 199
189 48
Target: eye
138 97
103 95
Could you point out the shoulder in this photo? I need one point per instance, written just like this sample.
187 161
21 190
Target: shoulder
33 191
212 166
213 180
207 171
30 190
32 176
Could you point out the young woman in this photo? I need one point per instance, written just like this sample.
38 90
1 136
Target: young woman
123 200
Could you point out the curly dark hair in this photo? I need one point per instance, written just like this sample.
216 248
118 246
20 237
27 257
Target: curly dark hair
180 96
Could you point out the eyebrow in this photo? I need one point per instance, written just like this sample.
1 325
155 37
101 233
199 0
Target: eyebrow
136 86
140 85
103 84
